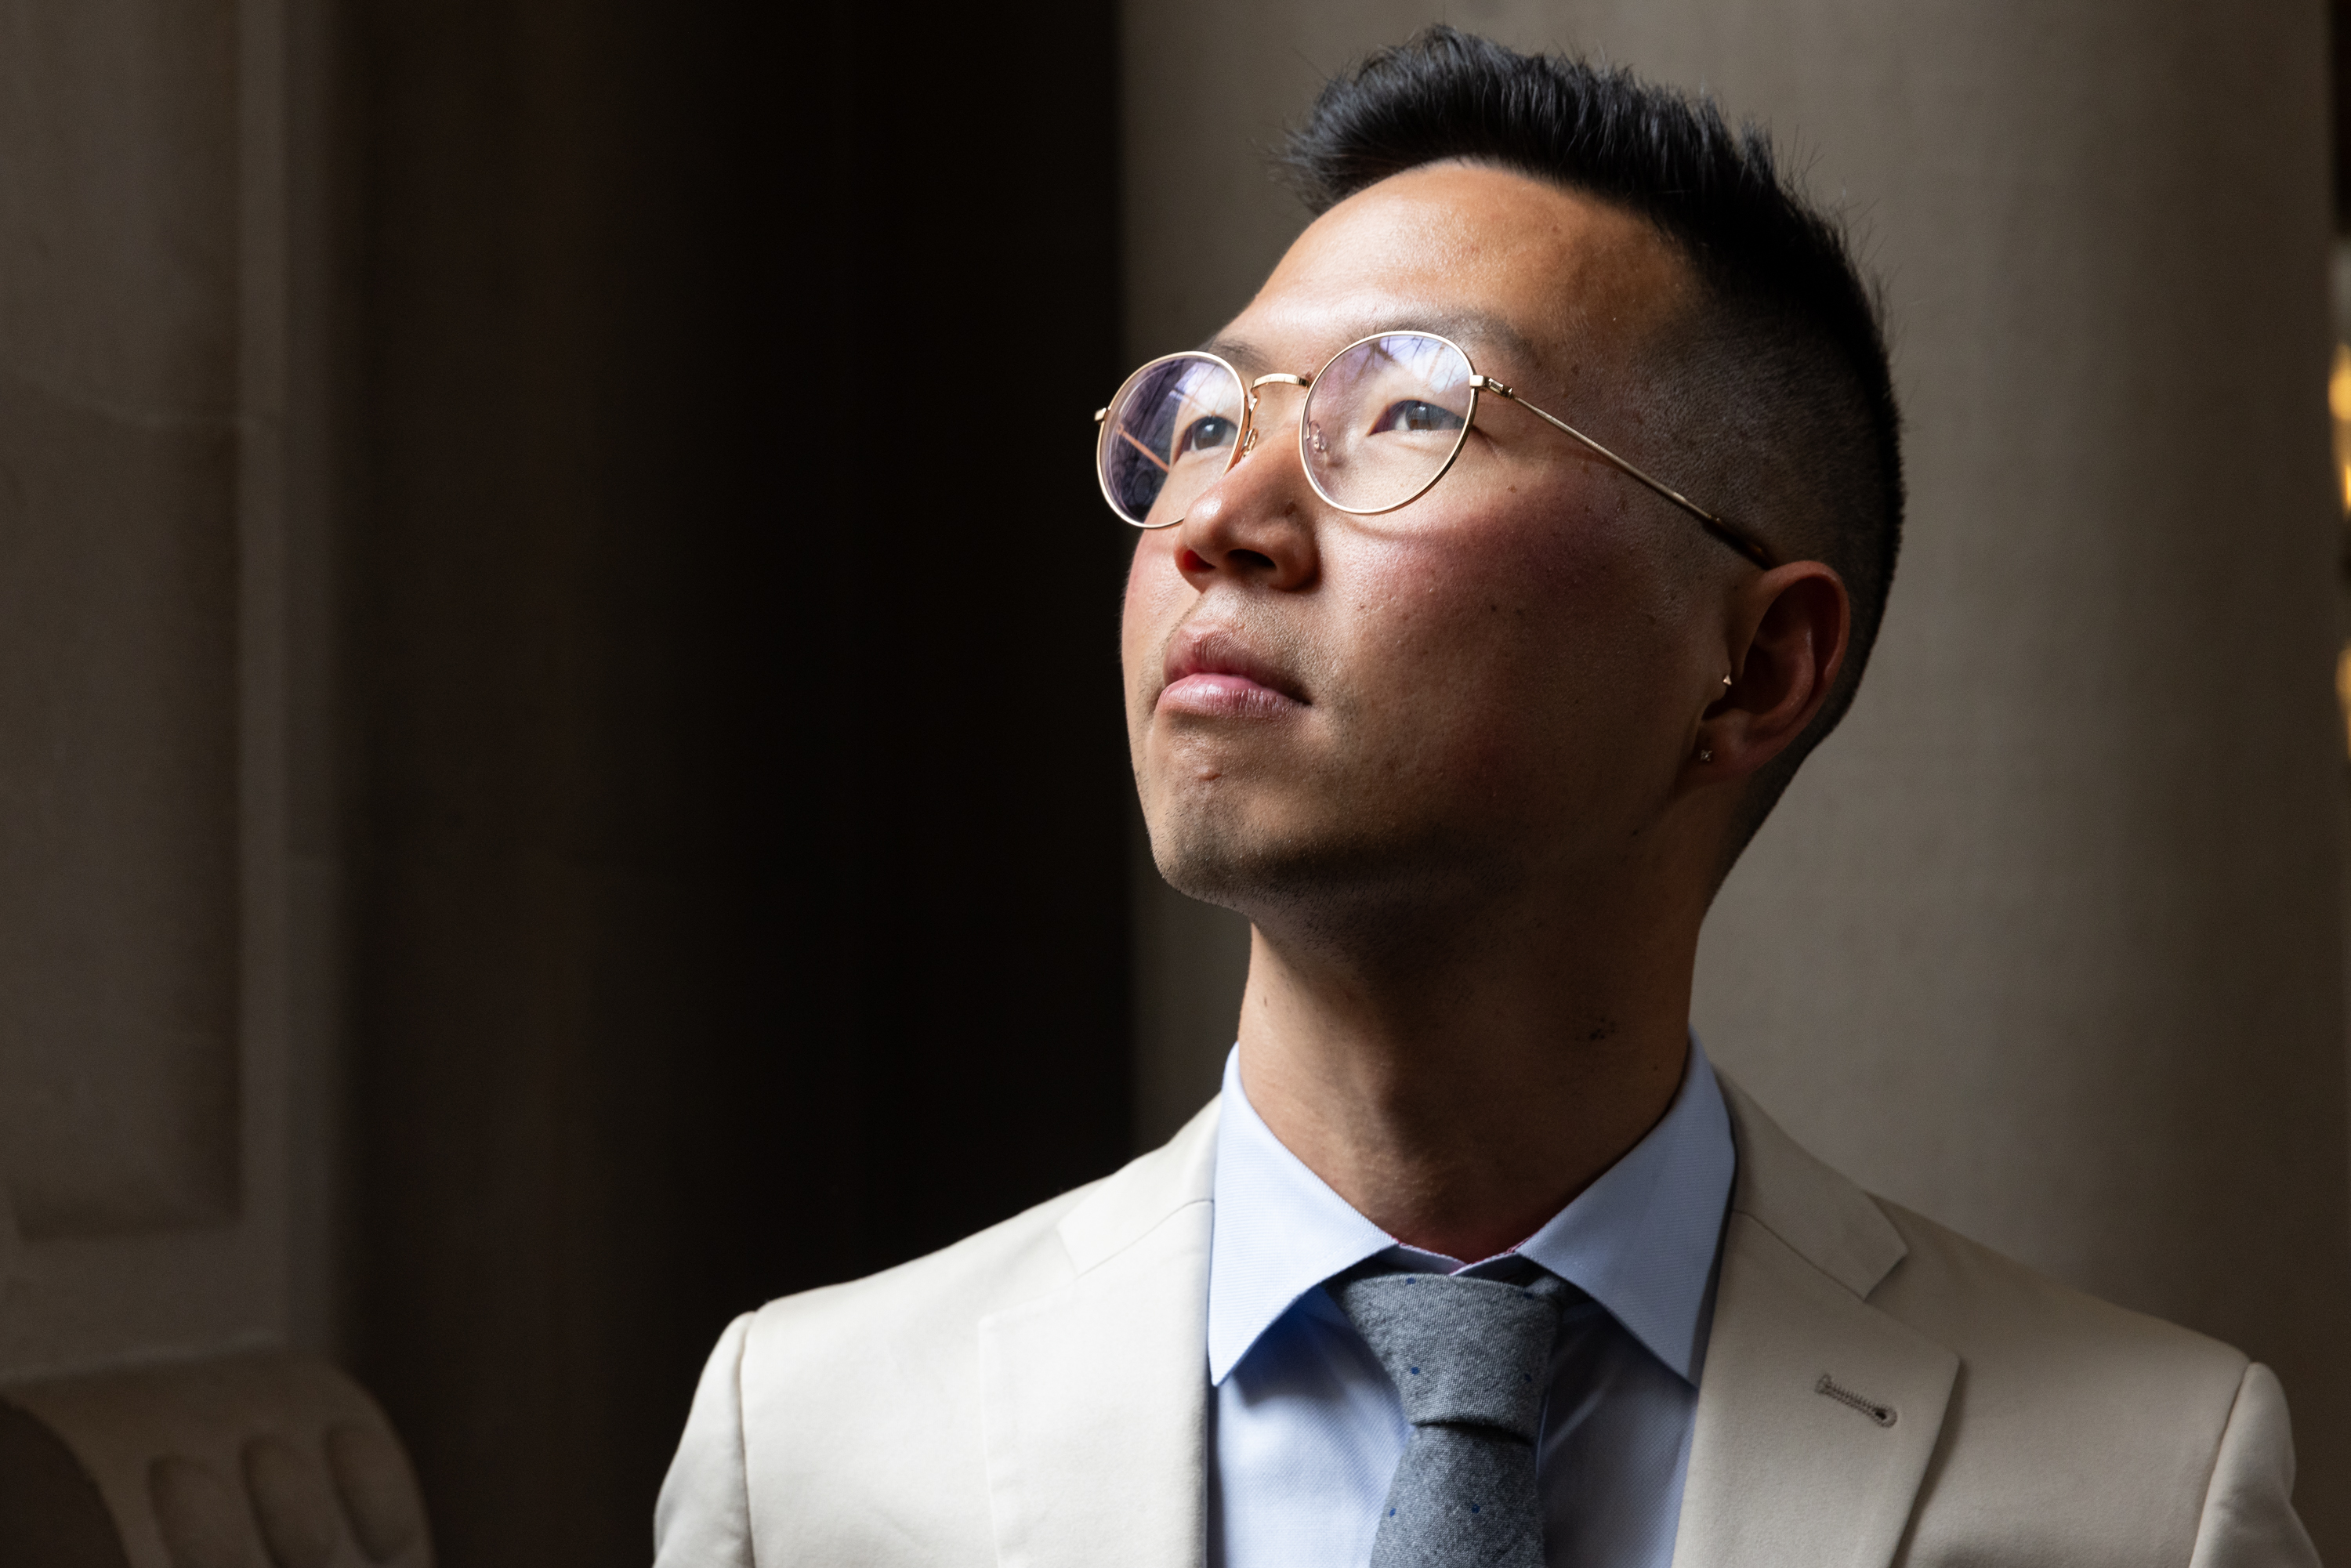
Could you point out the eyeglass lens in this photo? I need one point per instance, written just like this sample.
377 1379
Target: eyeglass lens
1379 425
1384 419
1167 437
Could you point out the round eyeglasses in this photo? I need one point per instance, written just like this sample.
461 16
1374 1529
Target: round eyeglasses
1383 422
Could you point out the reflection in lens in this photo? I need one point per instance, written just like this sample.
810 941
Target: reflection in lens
1168 434
1412 416
1384 418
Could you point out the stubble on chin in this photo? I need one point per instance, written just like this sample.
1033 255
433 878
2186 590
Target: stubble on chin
1328 877
1202 856
1213 842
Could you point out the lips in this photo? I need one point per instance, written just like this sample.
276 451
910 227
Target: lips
1212 673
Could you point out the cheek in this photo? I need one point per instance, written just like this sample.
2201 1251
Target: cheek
1154 593
1503 612
1516 657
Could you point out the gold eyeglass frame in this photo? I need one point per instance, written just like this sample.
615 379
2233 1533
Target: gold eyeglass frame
1739 538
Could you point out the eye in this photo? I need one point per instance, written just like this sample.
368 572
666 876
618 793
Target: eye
1205 434
1414 414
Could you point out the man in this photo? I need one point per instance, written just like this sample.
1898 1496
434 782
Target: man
1500 563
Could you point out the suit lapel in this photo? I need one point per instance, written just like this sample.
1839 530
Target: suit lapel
1817 1413
1094 1397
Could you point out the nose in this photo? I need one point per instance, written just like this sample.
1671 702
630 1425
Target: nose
1256 523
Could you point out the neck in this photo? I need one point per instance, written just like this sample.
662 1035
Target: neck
1461 1099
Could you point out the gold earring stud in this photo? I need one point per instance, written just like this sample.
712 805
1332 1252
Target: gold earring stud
1726 680
1704 755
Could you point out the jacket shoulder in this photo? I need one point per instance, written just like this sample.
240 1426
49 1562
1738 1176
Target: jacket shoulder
2084 1431
2002 1314
1009 1262
942 1296
2076 1431
845 1390
2008 1322
848 1390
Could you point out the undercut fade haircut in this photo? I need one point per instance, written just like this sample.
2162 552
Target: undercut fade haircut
1777 395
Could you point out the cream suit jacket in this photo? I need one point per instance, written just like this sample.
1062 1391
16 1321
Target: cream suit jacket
1036 1396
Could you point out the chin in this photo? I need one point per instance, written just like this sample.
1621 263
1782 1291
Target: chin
1206 860
1319 885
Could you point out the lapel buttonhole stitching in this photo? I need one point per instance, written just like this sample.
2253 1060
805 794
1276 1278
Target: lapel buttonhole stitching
1881 1414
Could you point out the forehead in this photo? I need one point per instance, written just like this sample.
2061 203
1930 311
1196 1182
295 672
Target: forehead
1524 274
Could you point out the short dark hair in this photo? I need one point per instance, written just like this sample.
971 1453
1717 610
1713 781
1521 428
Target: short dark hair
1783 384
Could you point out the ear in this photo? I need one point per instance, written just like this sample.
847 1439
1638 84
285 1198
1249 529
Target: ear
1788 632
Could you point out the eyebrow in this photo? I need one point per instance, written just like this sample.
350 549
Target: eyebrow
1472 329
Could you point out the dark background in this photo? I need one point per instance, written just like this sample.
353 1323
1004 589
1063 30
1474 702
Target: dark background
738 779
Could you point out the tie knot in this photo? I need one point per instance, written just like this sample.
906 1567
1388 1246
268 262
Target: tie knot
1462 1352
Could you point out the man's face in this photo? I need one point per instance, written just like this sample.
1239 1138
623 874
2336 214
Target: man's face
1493 684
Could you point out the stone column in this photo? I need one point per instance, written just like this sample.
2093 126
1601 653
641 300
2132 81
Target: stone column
2047 943
168 861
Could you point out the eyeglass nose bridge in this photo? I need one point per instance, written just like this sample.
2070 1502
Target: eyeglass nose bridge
1271 377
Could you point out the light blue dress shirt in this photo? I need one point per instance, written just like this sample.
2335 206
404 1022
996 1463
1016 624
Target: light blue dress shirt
1307 1427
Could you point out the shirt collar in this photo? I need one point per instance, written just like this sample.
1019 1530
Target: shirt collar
1641 1240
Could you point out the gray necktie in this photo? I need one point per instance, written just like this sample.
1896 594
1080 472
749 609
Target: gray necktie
1467 1357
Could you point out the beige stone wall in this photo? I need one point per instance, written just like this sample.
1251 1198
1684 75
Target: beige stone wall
166 1042
2047 942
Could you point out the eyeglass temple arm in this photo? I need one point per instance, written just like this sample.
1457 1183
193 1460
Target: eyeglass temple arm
1728 532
